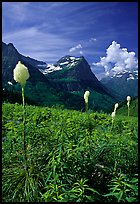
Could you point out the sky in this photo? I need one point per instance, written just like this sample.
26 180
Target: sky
105 33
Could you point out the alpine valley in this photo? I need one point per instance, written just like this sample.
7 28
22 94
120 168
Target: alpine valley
62 84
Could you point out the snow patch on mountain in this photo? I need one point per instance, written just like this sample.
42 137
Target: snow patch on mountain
64 63
119 75
67 62
130 75
50 68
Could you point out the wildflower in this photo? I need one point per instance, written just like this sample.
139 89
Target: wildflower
128 98
113 116
86 95
116 106
128 103
21 74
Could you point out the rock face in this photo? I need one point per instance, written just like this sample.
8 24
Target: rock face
10 57
75 75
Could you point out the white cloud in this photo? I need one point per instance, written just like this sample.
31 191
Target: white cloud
79 46
117 59
92 40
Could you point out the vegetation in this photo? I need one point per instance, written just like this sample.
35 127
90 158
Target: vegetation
41 94
72 156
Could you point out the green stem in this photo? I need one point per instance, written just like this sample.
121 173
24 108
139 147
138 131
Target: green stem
24 141
86 106
128 111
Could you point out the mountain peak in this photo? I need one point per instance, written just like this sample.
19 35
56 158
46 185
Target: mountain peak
10 57
11 44
77 72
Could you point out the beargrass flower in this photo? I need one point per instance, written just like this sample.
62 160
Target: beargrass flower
128 98
115 107
113 116
21 74
128 103
86 95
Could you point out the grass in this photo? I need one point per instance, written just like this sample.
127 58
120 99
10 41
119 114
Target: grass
72 156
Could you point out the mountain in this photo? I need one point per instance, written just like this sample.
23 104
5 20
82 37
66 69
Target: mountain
10 57
122 84
63 85
38 89
74 74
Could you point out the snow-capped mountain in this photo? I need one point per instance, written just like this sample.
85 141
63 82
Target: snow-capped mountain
49 68
74 74
128 75
67 61
123 83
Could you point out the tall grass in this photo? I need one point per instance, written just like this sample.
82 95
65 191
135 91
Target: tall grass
72 156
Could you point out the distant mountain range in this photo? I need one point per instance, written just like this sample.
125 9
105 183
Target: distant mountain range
122 84
63 83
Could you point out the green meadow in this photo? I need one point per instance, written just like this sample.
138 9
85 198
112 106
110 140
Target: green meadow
72 156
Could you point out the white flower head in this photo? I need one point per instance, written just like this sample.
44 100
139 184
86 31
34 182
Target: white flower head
128 98
21 73
86 95
116 106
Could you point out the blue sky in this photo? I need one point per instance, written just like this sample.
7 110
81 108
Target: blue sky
48 31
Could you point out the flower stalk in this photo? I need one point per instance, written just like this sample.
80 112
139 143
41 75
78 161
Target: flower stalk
115 107
21 74
113 118
24 140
